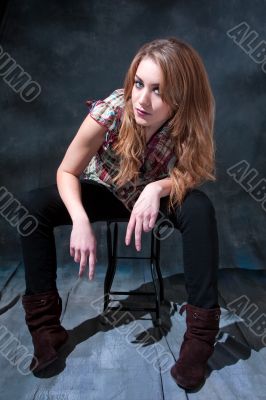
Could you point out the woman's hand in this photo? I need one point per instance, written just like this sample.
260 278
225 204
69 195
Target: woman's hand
144 213
83 246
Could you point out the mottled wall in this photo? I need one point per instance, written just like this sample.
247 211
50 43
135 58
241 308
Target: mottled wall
75 50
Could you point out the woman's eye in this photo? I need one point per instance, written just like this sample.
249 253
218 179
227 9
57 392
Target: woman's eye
137 83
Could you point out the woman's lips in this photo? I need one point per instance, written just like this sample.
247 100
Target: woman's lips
142 113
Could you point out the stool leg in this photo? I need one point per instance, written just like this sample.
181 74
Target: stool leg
157 265
111 267
107 279
157 295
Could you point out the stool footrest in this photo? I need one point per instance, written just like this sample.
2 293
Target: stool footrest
134 293
132 308
131 258
157 279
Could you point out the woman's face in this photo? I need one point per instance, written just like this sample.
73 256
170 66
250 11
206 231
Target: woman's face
146 96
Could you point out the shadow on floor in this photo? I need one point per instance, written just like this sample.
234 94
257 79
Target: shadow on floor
229 349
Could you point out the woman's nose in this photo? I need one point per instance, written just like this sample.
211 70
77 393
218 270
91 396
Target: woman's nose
144 98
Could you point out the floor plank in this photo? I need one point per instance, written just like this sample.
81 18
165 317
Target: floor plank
123 355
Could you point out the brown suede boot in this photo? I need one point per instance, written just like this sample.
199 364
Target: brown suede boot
43 320
197 347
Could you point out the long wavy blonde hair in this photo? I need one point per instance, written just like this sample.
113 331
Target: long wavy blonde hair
187 90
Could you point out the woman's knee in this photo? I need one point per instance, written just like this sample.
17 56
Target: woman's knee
29 199
38 199
198 203
20 212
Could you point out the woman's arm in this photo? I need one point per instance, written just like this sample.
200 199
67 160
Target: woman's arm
163 186
145 210
83 147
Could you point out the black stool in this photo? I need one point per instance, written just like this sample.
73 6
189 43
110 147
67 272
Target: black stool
154 266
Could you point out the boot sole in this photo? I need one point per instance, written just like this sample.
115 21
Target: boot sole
51 360
44 365
187 387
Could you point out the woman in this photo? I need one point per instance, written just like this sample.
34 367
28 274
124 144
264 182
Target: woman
140 151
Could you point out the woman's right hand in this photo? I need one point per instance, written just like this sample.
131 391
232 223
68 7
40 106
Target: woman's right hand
83 246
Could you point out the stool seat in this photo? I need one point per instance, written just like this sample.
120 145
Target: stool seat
154 259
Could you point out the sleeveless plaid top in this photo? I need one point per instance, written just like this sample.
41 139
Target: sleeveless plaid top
157 161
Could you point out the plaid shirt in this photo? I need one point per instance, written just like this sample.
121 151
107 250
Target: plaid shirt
157 161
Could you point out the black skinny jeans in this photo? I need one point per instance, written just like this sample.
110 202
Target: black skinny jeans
196 221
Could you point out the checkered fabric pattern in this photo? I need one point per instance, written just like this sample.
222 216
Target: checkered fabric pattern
157 160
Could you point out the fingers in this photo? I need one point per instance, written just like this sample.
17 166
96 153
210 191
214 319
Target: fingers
130 228
152 221
83 263
92 262
82 257
76 255
146 223
138 232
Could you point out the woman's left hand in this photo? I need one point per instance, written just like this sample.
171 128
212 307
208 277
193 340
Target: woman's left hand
144 213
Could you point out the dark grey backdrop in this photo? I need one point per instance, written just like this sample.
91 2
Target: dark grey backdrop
76 50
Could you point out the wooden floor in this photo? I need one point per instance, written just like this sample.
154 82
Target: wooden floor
130 359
